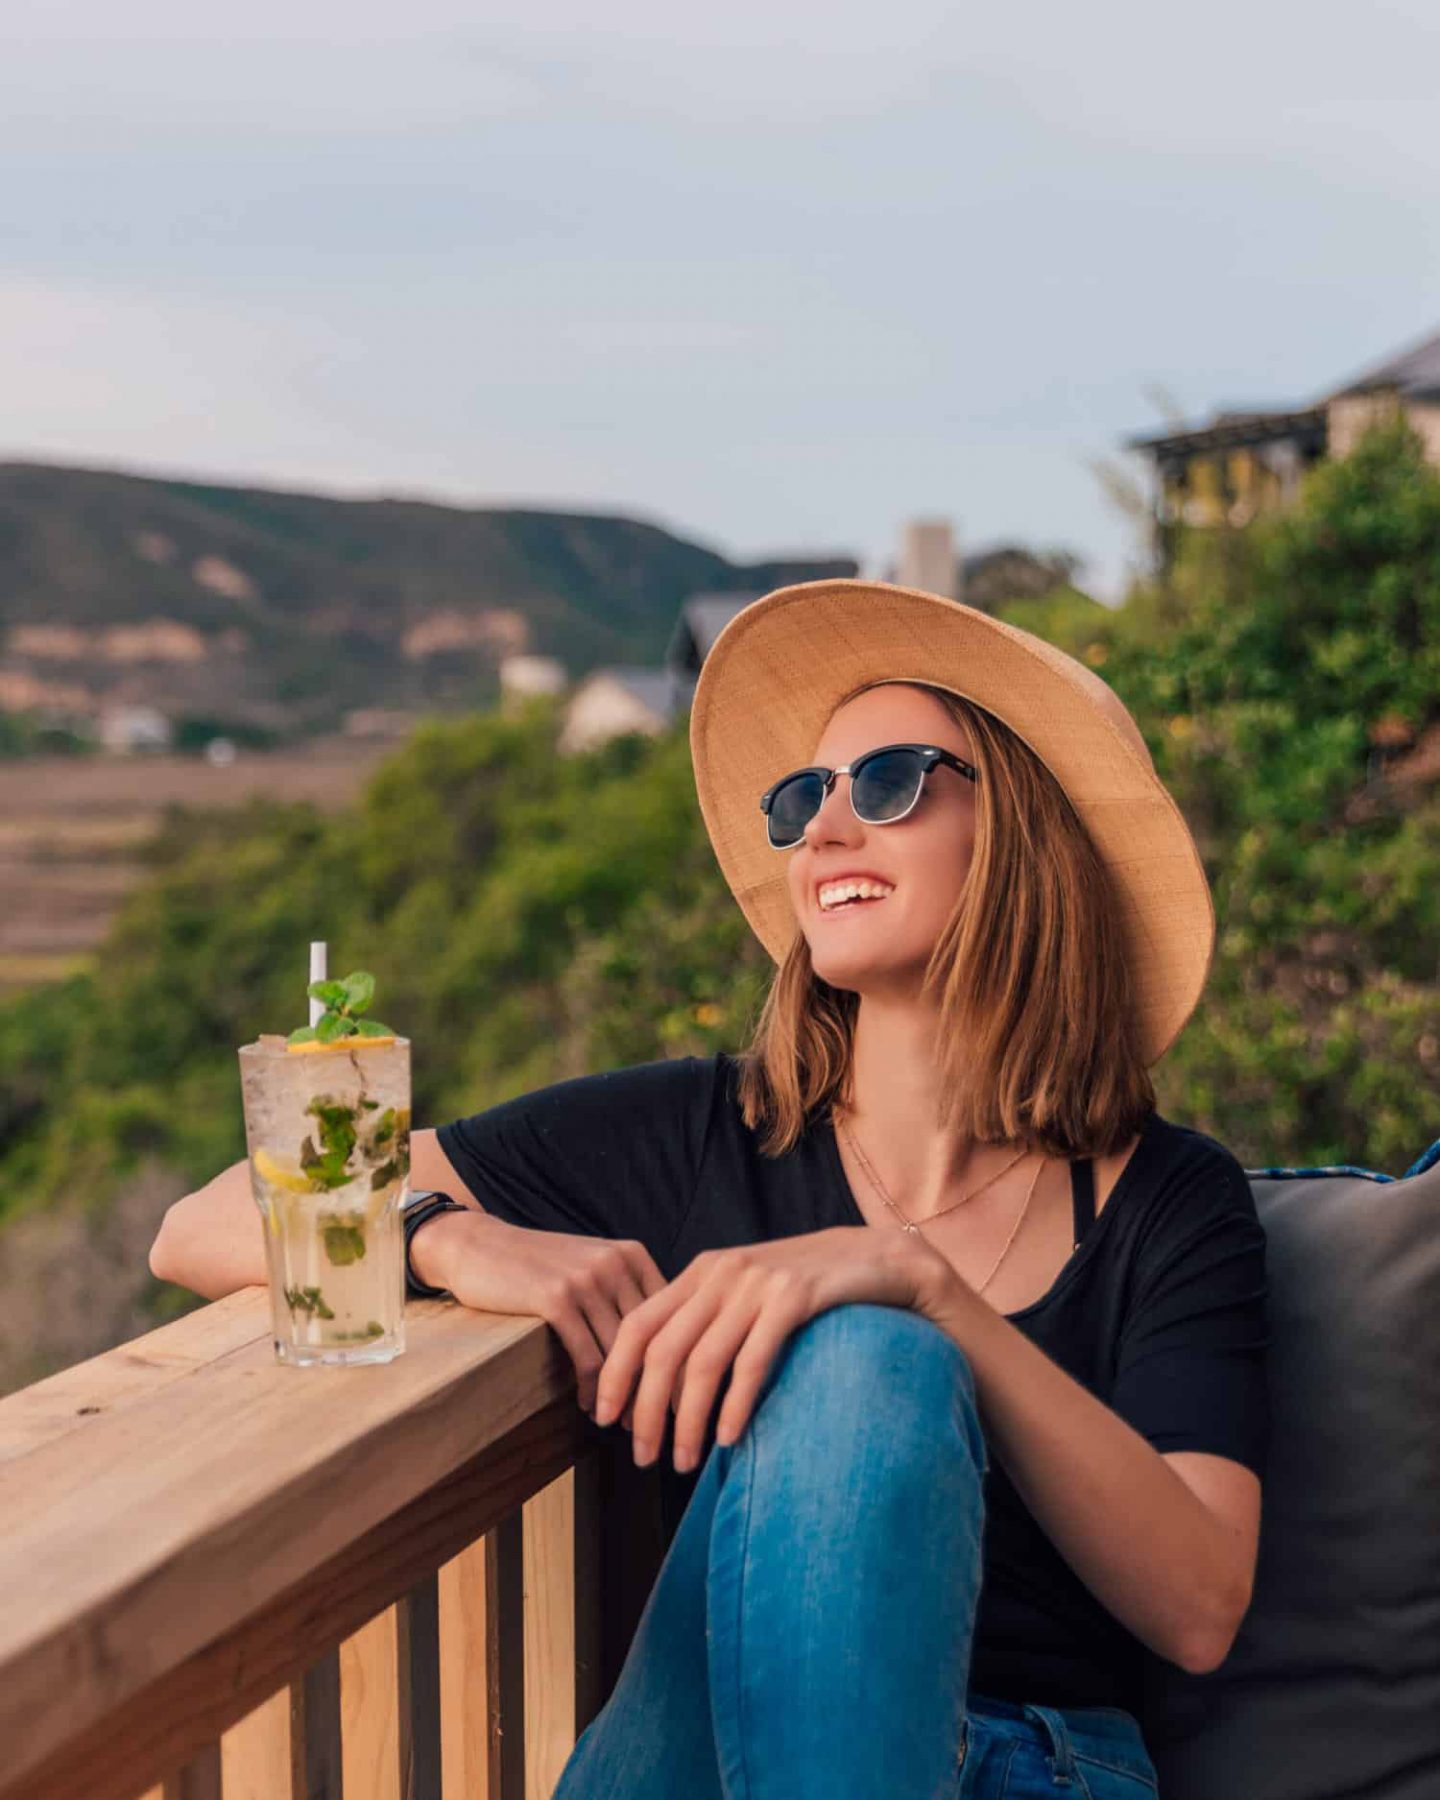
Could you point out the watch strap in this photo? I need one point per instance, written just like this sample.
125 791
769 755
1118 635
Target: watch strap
418 1209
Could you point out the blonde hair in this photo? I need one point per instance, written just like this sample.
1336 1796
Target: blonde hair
1038 1035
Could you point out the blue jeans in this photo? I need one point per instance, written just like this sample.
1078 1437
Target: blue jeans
809 1630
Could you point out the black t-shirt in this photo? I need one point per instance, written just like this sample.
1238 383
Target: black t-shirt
1161 1312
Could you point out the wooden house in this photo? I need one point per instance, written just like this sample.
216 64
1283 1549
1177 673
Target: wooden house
1244 463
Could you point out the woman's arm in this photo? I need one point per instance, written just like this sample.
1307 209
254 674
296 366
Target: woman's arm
212 1241
1167 1543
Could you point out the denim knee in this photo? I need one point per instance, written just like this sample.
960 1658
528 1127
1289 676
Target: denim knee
888 1361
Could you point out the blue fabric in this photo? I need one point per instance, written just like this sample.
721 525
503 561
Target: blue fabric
1012 1752
809 1631
1275 1172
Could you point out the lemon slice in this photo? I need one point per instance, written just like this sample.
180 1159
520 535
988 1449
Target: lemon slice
280 1172
312 1045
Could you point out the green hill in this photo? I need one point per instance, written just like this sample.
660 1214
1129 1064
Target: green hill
290 608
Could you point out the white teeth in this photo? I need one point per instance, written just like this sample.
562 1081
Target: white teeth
835 893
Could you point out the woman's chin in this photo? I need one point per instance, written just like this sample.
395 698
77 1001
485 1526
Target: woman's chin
850 965
861 958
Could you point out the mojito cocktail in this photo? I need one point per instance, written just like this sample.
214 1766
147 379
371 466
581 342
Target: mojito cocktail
327 1126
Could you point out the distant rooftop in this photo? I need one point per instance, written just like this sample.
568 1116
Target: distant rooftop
657 689
1234 430
702 618
1414 372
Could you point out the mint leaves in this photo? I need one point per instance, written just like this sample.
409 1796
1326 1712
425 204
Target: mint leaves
308 1300
344 1244
336 1121
344 1002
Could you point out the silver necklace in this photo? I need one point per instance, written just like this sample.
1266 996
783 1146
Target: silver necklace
912 1226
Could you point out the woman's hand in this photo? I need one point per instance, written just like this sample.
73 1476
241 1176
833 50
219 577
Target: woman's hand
583 1287
735 1308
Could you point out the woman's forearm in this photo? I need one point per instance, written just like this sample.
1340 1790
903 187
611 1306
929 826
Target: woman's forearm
212 1241
1132 1529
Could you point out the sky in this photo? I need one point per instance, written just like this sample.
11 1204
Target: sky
777 276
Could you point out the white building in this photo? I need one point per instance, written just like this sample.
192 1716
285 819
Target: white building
627 697
927 557
130 728
612 701
524 675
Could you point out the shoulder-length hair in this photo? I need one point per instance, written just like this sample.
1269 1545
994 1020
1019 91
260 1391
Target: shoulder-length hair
1038 1037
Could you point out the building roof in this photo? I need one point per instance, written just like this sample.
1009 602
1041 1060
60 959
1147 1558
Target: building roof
1234 431
1415 372
701 620
657 689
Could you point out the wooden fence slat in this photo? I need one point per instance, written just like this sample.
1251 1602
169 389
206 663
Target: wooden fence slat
255 1753
505 1656
369 1710
549 1558
464 1692
199 1779
587 1518
418 1670
316 1769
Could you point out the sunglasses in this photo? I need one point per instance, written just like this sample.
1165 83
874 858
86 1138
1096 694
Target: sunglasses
885 786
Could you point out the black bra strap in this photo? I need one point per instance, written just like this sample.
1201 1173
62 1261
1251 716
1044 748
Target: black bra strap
1082 1194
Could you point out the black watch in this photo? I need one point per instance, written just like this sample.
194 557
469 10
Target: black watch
419 1207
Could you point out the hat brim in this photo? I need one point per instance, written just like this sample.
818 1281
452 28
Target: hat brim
780 667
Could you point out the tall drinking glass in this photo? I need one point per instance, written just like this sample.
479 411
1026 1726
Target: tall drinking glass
328 1133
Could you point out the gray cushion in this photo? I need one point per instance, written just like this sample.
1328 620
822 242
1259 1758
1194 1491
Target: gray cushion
1332 1688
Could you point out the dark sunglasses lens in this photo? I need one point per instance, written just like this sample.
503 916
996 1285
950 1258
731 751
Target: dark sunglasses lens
886 785
794 805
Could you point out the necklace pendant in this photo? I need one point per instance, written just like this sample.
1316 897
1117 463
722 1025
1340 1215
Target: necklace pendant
914 1230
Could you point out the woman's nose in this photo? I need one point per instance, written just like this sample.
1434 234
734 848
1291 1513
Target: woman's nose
836 817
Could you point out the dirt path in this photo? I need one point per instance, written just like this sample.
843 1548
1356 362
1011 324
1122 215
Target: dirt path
71 829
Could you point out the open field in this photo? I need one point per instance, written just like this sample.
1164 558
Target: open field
72 830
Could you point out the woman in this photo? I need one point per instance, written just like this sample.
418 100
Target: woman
986 1331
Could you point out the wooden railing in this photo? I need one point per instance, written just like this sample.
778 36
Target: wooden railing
220 1576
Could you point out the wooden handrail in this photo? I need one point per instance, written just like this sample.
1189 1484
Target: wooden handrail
193 1531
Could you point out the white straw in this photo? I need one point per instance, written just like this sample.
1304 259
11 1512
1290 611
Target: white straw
319 971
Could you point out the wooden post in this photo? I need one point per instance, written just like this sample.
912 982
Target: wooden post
199 1779
505 1658
315 1756
370 1725
418 1685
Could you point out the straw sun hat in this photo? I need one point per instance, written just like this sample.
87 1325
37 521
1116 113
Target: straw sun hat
781 666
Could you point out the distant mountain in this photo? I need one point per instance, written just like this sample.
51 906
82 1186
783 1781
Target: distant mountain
289 609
